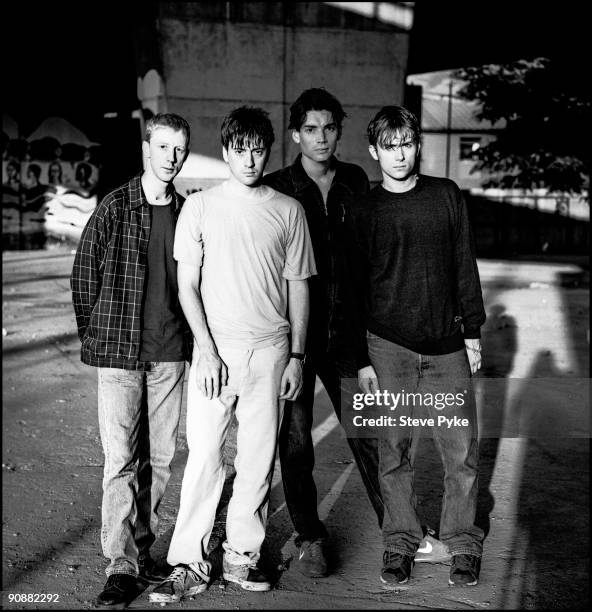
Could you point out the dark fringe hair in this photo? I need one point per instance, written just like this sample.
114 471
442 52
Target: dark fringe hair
247 125
393 122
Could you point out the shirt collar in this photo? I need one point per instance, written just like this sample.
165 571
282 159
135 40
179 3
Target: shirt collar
301 180
138 197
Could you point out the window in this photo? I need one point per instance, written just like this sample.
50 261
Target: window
469 145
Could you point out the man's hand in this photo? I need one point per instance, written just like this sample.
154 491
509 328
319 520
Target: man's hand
291 380
473 348
211 373
367 379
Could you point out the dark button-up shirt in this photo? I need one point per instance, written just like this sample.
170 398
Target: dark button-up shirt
327 331
108 278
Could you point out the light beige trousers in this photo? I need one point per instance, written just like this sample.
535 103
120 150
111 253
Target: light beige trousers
252 392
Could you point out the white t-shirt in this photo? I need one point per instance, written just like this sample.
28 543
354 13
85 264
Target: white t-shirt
248 246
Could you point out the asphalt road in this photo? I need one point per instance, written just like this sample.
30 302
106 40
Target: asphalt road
534 497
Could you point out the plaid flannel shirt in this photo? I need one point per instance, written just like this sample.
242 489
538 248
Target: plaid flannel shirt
108 279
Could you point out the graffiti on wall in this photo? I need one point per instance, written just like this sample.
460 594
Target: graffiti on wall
49 183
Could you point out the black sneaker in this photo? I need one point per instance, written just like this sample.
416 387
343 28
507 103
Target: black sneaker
311 559
396 569
119 591
465 570
184 581
150 571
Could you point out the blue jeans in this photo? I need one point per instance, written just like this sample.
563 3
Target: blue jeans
138 420
397 369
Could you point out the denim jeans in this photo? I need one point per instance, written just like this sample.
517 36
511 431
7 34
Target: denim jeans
252 394
138 421
400 368
297 451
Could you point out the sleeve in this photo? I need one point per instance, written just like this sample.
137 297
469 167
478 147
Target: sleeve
299 263
86 277
468 284
356 266
188 245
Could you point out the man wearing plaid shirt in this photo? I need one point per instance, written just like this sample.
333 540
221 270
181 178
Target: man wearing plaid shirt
130 323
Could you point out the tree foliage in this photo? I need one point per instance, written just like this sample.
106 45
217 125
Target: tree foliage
546 141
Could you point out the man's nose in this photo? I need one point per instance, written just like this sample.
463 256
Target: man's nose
322 138
249 160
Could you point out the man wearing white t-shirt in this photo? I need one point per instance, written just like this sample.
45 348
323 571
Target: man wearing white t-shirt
244 256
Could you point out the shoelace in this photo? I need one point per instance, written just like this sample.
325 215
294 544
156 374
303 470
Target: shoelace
198 569
315 549
464 563
178 575
391 557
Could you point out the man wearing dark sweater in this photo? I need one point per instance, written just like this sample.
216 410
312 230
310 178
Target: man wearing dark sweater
419 310
323 184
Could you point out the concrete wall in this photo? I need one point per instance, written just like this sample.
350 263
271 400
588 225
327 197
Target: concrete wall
211 67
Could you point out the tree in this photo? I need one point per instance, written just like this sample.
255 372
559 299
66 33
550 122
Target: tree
547 109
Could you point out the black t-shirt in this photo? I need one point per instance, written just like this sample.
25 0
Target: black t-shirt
162 328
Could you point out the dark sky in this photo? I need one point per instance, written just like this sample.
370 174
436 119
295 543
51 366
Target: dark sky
76 58
472 33
72 59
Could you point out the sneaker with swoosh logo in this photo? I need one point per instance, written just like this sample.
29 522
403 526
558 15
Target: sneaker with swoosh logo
432 550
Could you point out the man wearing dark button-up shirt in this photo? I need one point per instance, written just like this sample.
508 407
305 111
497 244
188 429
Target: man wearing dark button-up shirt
130 323
322 184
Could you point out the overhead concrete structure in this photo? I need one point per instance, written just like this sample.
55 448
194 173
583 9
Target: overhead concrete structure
202 59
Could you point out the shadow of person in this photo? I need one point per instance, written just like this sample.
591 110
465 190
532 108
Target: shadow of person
499 348
550 486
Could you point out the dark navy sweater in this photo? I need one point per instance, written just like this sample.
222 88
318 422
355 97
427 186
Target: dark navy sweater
412 262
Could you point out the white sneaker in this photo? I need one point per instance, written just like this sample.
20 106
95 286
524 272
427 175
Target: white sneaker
432 550
248 576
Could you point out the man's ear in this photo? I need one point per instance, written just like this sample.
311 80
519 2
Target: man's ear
225 154
296 136
373 153
146 149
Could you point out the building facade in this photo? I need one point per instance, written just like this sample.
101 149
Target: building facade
202 59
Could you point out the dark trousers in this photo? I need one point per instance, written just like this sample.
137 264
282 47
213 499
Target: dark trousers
297 451
399 369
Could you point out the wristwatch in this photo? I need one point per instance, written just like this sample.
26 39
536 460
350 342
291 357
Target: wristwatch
300 356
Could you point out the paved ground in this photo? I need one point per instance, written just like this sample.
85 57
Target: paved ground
534 499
